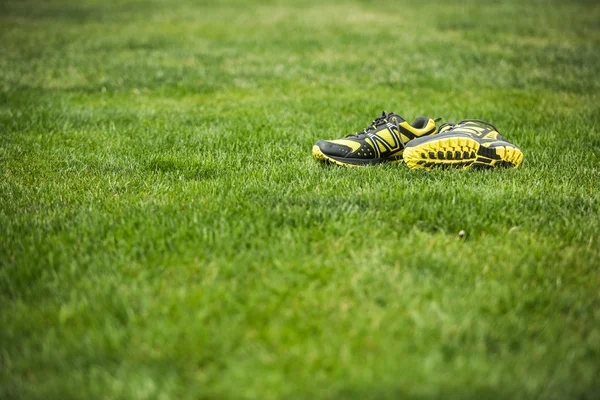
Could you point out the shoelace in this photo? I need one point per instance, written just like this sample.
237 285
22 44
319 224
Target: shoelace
478 121
376 122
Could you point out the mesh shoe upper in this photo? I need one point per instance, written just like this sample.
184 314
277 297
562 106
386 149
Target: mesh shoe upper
484 132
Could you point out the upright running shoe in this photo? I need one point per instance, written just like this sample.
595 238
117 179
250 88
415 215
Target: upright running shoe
382 141
471 143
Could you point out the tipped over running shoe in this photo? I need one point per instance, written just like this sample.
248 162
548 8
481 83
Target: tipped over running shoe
382 141
469 144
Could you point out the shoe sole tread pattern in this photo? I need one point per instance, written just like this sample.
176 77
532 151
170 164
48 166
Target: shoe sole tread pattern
352 162
461 152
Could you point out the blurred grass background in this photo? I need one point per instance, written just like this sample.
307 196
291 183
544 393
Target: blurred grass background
165 233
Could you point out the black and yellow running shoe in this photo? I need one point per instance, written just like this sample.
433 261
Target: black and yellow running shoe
471 143
382 141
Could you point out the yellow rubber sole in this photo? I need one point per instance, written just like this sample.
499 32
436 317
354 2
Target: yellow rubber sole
319 155
461 152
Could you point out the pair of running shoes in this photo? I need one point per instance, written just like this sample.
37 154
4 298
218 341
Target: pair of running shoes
468 144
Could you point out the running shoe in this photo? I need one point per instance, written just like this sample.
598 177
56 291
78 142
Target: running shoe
471 143
382 141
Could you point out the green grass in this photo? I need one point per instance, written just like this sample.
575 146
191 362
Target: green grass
165 232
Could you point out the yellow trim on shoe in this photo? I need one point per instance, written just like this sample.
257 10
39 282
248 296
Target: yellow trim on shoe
319 155
460 152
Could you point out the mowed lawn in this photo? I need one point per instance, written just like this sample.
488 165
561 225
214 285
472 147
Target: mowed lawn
166 234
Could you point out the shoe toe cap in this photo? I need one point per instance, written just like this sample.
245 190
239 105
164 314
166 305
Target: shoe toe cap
333 149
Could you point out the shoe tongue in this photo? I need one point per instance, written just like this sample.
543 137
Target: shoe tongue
398 117
385 116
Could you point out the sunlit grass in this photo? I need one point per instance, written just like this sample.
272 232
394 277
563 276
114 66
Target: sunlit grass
165 232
